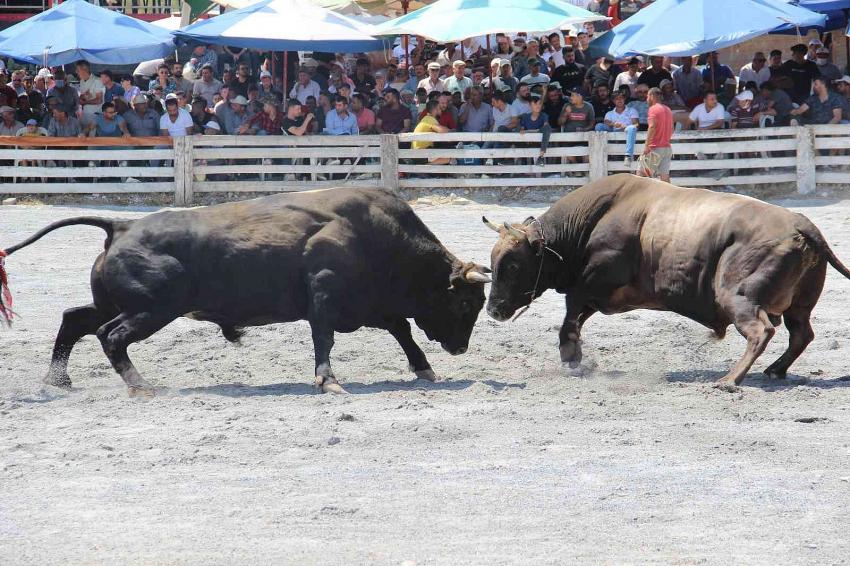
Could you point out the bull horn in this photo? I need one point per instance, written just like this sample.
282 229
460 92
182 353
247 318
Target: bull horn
516 232
489 224
477 277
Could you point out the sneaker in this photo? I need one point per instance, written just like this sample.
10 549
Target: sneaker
289 177
92 164
267 161
628 161
489 161
701 156
540 161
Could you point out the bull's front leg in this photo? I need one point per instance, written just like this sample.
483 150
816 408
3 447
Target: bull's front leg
322 319
419 365
570 335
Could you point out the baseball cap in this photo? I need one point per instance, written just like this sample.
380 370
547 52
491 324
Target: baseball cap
240 100
535 96
44 73
822 51
634 61
746 95
555 85
433 65
140 99
799 48
458 63
6 109
534 63
845 79
32 122
664 83
213 125
815 42
505 88
263 74
171 96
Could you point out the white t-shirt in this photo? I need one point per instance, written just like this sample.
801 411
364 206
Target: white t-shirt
625 78
539 79
178 127
91 87
502 118
703 118
624 119
519 107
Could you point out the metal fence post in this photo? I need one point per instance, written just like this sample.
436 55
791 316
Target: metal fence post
184 173
389 161
806 168
597 145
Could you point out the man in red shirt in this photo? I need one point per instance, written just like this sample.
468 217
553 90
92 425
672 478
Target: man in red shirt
657 153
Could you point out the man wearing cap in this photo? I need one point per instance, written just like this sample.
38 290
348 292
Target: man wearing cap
234 115
811 52
801 72
741 113
304 87
571 74
31 129
141 119
622 119
842 88
535 77
207 87
42 81
629 77
9 126
266 87
432 82
458 82
175 122
756 70
492 82
827 69
822 107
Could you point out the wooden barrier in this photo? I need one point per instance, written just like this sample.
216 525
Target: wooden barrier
807 157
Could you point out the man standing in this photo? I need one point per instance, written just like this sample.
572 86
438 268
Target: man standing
622 119
419 74
657 152
207 87
801 72
655 73
111 89
570 75
714 73
432 82
177 75
65 93
304 87
629 77
339 121
600 74
91 92
756 71
458 82
393 118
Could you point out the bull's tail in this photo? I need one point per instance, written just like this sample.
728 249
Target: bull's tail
814 236
106 224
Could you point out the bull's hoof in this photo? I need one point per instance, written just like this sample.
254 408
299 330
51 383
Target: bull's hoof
727 386
775 373
140 391
333 387
57 379
571 353
426 374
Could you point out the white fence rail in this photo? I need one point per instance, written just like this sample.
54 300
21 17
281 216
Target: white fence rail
186 167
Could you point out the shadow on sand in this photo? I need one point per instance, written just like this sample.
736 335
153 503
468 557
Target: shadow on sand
760 380
353 387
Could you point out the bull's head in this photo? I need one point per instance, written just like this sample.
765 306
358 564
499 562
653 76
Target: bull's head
515 261
452 313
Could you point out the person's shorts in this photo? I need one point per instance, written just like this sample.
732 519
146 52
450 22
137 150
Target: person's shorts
657 162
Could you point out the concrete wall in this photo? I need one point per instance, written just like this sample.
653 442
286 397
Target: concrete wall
741 54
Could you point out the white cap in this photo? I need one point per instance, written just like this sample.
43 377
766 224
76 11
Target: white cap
746 95
212 125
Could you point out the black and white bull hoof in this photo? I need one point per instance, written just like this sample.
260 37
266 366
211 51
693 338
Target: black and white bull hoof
773 373
329 385
426 374
141 391
571 353
57 378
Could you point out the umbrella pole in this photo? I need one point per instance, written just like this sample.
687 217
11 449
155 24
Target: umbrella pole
285 69
847 41
405 40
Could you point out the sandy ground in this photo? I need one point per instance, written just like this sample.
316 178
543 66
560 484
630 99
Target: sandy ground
509 460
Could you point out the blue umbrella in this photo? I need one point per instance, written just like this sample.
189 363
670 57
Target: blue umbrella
690 27
454 20
284 25
76 29
834 10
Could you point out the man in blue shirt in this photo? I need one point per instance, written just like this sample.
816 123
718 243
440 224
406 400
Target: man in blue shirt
339 121
714 73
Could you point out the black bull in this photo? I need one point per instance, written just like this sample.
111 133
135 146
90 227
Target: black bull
341 259
623 243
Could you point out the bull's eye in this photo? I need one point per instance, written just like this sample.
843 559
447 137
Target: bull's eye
513 268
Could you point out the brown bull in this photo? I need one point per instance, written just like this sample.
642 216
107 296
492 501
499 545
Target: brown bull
625 242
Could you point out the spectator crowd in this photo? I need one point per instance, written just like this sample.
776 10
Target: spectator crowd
504 83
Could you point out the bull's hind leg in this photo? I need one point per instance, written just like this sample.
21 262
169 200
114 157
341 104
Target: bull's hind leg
125 329
800 335
325 292
76 323
758 331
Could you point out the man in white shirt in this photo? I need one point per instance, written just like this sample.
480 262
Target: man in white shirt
458 82
756 71
305 87
175 122
710 115
521 104
535 76
629 77
622 119
432 81
91 93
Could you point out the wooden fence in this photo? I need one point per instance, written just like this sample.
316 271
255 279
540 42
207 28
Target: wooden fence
801 157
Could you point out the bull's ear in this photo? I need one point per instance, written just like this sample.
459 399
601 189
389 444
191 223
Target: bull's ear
473 276
535 235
